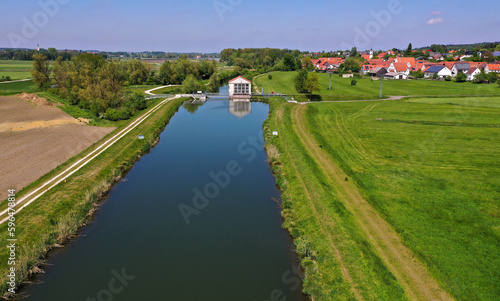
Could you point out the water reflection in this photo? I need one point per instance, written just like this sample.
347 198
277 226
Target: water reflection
192 107
240 108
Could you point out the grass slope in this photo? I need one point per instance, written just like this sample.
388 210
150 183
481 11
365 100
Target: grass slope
431 170
339 263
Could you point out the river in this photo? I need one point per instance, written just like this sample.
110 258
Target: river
195 219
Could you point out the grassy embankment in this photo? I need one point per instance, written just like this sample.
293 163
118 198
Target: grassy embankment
60 212
283 82
16 69
429 169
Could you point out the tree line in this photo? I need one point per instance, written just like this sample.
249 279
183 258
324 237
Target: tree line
93 83
27 54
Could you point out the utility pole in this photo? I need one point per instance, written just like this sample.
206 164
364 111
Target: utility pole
381 85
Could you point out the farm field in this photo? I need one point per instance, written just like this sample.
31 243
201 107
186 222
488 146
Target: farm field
428 169
37 138
283 82
15 69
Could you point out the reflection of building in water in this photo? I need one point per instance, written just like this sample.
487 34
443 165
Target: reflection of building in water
240 108
240 87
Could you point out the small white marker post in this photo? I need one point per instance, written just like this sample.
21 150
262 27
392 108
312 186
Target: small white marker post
275 133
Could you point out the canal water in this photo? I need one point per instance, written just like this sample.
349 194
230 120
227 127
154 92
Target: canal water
195 219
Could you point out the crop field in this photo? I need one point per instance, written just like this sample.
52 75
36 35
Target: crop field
15 69
428 167
283 82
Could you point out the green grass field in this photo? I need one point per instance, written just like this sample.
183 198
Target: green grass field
430 169
486 102
283 82
17 87
15 69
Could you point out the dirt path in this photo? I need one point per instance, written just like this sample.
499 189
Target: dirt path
323 221
409 271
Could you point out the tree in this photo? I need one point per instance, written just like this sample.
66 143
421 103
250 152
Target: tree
213 83
461 77
352 65
41 71
312 83
409 50
481 78
354 52
300 81
493 77
167 75
289 62
497 48
307 62
191 84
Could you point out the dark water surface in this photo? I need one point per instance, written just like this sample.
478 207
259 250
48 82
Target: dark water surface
140 247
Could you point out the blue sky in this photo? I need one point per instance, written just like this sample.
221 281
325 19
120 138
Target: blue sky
212 25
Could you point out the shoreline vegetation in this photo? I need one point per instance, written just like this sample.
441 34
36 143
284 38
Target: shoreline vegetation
59 214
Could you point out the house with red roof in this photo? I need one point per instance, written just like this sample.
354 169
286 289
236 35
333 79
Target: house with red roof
492 68
399 68
472 73
409 60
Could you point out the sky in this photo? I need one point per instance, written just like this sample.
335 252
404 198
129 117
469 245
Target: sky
212 25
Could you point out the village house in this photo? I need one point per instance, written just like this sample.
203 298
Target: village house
399 68
440 71
472 73
492 68
460 67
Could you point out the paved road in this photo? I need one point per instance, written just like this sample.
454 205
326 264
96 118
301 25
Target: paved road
63 175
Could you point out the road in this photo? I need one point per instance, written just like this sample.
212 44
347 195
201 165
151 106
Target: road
33 195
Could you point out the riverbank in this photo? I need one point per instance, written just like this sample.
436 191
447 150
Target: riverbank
58 214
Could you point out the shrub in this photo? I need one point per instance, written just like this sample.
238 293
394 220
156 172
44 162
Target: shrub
114 114
354 82
461 77
448 78
270 76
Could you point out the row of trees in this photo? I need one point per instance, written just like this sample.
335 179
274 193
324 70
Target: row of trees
27 55
259 58
174 73
94 83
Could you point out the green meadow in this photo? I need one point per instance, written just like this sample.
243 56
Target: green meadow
15 69
428 166
283 82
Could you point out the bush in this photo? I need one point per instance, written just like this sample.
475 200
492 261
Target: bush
461 77
354 82
448 78
114 114
270 76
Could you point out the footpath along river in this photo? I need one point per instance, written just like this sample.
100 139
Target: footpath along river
195 219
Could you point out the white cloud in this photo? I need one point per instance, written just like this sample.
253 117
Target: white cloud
435 21
436 12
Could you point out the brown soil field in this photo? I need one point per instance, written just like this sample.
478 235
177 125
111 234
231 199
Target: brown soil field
36 137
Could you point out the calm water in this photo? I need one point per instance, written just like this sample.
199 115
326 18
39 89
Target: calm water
140 247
